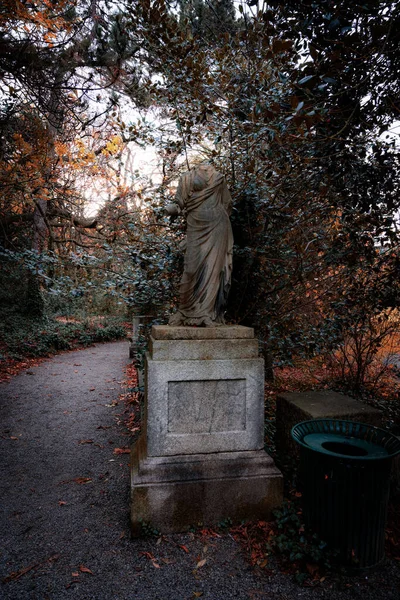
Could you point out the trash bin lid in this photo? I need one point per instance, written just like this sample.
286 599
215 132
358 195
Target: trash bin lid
346 439
343 445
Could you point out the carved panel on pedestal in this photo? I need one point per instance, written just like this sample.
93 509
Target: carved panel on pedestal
206 406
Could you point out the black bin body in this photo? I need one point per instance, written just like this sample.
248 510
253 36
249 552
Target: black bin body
345 476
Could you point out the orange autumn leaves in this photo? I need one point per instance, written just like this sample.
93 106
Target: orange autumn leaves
41 18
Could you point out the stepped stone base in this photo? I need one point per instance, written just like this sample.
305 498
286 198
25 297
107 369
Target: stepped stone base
200 458
175 493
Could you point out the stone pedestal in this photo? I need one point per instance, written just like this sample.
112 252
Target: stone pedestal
200 458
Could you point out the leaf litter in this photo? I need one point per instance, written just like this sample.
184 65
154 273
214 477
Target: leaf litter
17 574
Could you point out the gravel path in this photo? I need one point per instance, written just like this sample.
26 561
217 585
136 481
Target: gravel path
64 517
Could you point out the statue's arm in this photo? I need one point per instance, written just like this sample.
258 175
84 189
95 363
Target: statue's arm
183 190
175 208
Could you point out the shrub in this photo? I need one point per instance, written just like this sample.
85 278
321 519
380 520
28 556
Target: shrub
30 338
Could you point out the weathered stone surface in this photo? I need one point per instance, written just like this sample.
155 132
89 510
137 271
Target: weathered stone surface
220 405
200 458
175 493
224 332
294 407
200 349
203 194
326 404
206 412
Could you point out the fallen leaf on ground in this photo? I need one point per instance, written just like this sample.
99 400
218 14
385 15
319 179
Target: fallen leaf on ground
312 568
151 557
13 437
209 533
183 548
75 574
201 563
62 503
122 450
148 555
84 569
86 442
54 558
72 583
197 594
17 574
91 389
263 564
82 480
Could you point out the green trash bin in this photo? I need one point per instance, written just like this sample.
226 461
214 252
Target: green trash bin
345 475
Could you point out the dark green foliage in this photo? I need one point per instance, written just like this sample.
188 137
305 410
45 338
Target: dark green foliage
297 546
34 303
147 529
354 52
225 524
141 346
12 287
209 20
30 338
352 74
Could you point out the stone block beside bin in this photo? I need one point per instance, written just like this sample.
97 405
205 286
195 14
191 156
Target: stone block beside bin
294 407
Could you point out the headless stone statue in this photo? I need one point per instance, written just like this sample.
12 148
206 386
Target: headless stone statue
204 196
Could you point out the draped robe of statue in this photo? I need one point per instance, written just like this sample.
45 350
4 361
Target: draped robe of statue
203 194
